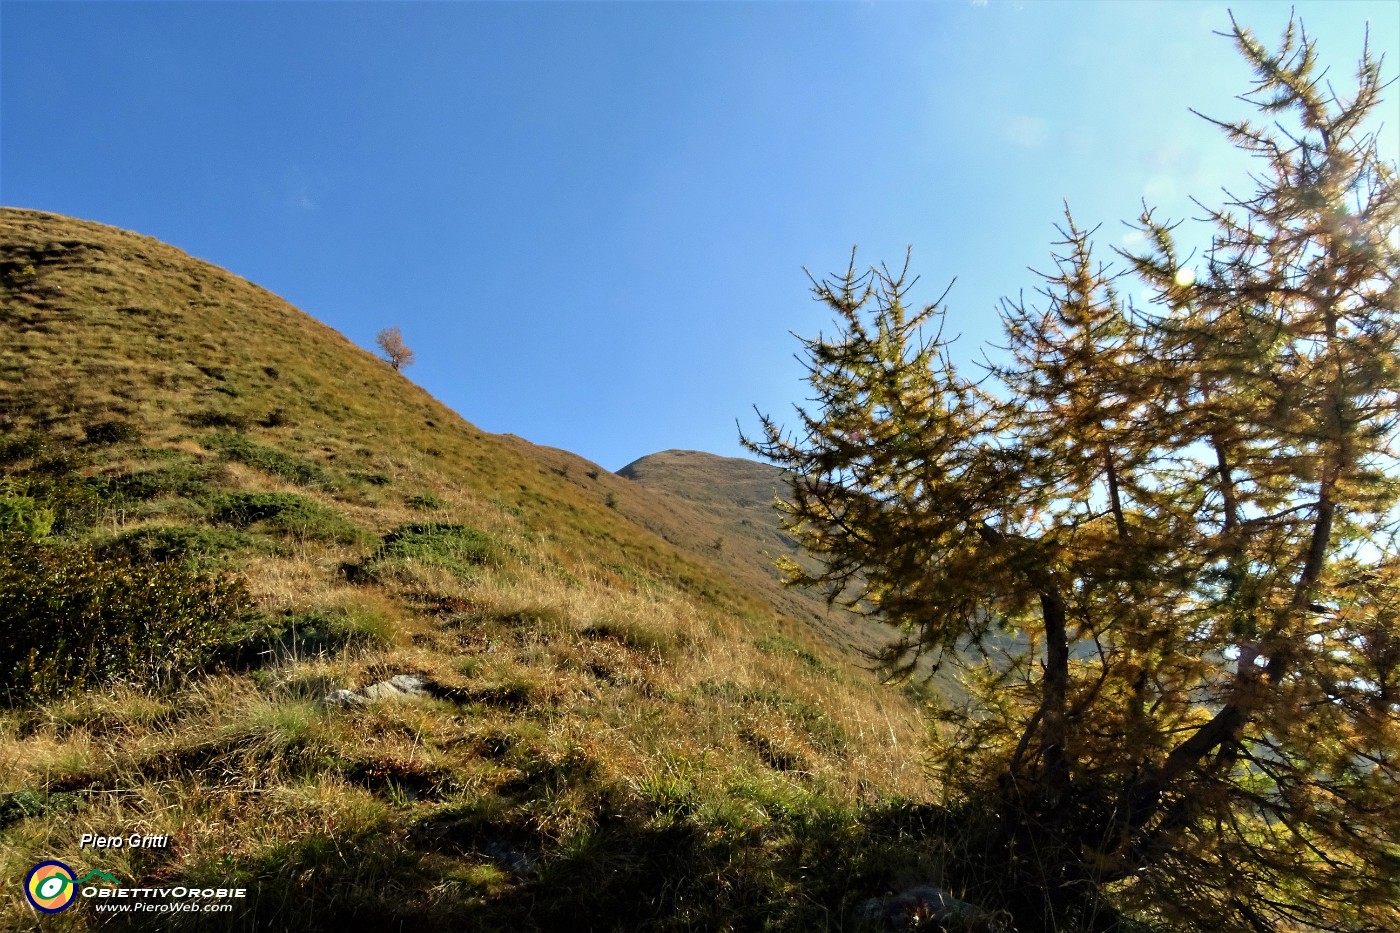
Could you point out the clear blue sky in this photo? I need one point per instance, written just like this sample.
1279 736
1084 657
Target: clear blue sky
590 220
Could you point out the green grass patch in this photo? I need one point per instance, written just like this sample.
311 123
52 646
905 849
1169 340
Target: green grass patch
103 433
321 632
293 469
203 546
425 502
26 803
286 514
190 480
458 549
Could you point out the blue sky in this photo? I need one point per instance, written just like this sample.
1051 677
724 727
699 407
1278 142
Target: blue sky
590 220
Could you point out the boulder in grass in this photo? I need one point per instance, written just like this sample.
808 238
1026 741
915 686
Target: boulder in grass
398 687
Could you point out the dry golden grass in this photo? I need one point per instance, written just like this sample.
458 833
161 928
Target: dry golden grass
596 690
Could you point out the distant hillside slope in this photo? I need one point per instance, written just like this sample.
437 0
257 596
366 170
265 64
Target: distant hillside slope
732 514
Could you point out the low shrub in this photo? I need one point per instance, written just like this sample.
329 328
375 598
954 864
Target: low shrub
71 620
179 479
30 445
183 543
284 513
23 515
275 419
77 502
213 418
480 626
19 275
54 480
270 460
160 453
316 632
426 502
111 432
458 549
26 803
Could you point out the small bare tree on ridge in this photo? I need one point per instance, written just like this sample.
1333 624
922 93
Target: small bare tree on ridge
390 340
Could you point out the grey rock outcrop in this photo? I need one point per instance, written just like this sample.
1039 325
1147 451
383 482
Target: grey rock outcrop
398 687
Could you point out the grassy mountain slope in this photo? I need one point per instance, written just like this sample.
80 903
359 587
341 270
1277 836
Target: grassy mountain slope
618 734
731 513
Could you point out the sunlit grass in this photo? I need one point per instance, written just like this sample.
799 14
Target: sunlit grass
613 726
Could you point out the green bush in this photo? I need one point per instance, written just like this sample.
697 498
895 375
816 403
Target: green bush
28 446
26 803
70 620
54 481
179 479
316 632
284 513
23 515
454 547
275 419
77 502
269 459
213 418
161 453
19 275
426 502
178 542
111 432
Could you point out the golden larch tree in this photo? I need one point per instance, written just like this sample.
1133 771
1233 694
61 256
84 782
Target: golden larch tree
1160 542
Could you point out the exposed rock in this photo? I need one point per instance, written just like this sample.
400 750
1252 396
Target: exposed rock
929 907
398 687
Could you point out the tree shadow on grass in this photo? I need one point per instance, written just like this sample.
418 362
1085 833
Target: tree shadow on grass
483 866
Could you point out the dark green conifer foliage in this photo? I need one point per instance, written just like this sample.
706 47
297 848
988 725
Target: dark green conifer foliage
1171 532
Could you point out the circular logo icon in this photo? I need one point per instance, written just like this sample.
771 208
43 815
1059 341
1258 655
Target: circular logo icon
50 887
